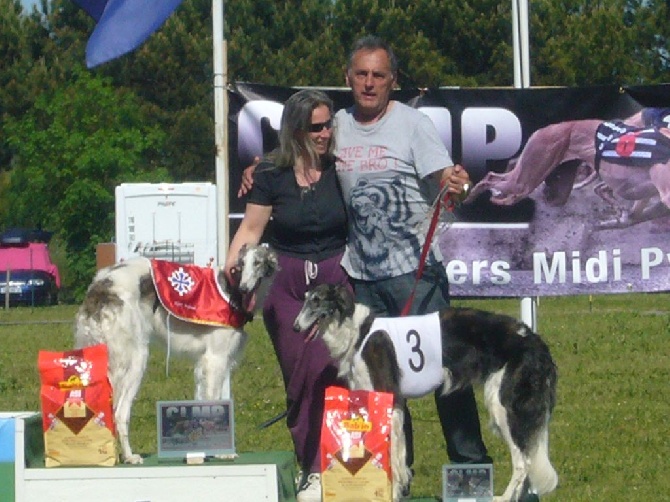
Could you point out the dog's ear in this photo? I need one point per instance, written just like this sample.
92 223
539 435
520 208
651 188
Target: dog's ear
345 300
272 262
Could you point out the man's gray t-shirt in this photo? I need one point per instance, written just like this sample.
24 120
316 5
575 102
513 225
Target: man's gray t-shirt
382 169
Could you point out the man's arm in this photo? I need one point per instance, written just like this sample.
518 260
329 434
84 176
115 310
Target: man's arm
247 178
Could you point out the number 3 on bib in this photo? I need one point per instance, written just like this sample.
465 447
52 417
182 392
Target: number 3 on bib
417 360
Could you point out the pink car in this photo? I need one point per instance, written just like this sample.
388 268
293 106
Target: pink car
27 274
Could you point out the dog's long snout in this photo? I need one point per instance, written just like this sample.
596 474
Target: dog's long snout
297 322
246 287
304 319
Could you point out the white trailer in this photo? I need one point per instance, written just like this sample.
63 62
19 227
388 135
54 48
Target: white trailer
169 221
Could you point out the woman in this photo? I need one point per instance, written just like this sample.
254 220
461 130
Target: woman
296 191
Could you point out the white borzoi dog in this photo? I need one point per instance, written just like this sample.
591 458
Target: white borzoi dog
122 310
512 362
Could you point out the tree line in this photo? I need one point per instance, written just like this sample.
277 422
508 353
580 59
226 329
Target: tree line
70 135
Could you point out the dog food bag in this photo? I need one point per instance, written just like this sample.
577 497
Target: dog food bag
355 446
77 416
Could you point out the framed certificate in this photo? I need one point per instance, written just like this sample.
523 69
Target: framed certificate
467 483
195 427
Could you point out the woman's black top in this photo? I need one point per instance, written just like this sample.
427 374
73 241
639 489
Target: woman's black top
308 223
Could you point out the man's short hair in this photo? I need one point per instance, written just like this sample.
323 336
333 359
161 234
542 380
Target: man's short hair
372 43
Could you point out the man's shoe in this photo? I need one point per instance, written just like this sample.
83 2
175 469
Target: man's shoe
310 489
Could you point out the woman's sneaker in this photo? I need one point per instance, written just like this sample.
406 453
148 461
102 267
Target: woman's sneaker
309 489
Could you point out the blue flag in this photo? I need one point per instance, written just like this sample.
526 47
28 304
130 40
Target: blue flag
122 25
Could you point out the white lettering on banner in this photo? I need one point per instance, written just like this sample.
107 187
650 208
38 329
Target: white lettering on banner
650 258
594 270
488 134
500 272
457 271
552 268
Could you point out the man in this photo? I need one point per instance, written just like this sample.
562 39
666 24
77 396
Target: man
391 163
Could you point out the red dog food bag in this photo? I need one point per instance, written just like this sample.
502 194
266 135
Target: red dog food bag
355 446
77 417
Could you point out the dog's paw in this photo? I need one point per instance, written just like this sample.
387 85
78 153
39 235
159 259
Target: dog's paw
134 459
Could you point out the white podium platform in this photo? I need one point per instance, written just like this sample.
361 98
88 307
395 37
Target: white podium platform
254 477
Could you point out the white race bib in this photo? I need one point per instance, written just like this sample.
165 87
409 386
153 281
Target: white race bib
418 346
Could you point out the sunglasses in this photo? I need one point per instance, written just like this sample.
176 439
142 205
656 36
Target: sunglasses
320 126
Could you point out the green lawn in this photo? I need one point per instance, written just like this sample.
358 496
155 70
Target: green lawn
609 438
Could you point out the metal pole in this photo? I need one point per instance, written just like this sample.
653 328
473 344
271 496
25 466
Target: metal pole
220 129
516 44
221 139
520 43
525 43
521 46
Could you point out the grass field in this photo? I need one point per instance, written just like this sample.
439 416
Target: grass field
609 435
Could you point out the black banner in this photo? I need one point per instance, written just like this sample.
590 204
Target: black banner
572 185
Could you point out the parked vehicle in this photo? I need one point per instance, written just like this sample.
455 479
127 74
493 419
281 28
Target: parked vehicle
27 274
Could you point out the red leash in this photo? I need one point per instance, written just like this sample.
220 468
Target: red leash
449 206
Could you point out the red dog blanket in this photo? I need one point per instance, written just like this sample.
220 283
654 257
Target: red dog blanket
192 293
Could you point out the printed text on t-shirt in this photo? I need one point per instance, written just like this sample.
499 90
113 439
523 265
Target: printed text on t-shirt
362 159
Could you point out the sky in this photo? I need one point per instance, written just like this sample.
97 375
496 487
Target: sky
28 4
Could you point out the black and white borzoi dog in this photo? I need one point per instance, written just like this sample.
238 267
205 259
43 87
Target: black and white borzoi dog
513 363
122 310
